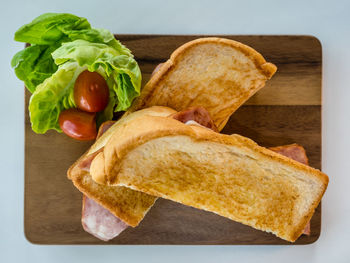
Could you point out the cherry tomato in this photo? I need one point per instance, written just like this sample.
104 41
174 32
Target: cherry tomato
78 124
91 92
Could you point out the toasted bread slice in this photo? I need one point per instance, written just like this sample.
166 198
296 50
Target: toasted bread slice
216 73
226 174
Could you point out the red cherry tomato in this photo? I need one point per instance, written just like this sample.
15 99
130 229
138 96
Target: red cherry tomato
78 124
91 92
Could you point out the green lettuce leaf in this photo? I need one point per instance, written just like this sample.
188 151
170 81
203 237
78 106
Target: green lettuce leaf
46 33
52 96
34 64
55 94
50 28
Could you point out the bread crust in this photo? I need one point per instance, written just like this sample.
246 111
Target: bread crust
148 128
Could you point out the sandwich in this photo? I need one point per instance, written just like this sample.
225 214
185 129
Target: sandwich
164 157
229 175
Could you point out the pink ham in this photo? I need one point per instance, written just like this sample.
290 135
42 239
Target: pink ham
104 127
86 162
297 153
198 115
99 222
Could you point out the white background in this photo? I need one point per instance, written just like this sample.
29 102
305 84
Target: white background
327 20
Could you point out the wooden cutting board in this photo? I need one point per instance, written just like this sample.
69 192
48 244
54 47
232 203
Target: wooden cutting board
287 110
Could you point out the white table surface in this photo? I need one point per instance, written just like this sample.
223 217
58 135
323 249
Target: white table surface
327 20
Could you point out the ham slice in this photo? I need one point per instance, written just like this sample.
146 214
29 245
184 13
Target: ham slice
99 222
297 153
104 127
198 115
86 162
293 151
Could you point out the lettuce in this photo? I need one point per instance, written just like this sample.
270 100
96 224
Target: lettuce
46 33
62 46
55 94
50 28
34 64
52 96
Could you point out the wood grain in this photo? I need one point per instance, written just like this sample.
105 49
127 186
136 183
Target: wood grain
288 111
